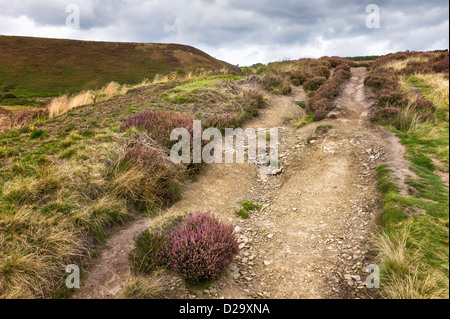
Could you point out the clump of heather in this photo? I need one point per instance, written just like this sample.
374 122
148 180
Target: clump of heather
149 254
443 65
147 156
220 121
26 117
159 124
201 249
314 84
322 101
387 113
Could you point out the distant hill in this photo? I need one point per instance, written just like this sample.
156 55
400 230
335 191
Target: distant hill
31 67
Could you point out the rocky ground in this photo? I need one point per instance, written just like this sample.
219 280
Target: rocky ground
313 236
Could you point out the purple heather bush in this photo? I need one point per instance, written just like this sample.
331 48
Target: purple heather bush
218 120
159 123
147 156
202 248
387 113
443 65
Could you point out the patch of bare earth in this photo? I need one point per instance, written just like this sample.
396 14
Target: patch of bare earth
313 236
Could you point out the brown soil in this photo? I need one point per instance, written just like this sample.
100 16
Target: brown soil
313 236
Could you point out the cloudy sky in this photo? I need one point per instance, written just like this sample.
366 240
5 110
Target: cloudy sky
241 31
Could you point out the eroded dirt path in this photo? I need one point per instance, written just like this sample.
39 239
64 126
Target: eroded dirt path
312 238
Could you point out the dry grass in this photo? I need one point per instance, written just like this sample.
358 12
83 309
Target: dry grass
144 288
159 285
34 249
402 276
63 104
440 87
398 65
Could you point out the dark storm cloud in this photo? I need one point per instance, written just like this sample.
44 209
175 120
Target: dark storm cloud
241 31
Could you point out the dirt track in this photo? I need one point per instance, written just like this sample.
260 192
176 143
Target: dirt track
312 239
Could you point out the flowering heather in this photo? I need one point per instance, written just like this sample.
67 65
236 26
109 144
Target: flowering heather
443 65
381 79
202 248
425 108
314 84
159 123
321 103
298 77
147 156
387 113
392 98
226 120
26 117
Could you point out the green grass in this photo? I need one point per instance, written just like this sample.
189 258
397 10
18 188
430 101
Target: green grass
323 128
61 172
247 207
243 213
304 121
414 245
97 63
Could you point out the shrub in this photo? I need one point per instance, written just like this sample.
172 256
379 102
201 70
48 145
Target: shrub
343 66
147 156
314 84
381 79
417 67
202 248
149 253
392 98
145 178
425 108
225 120
442 65
298 77
28 116
250 103
255 99
320 113
321 71
159 124
277 85
387 113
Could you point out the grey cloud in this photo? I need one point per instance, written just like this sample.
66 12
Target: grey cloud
244 31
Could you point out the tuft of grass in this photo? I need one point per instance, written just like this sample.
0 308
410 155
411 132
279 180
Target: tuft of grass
249 206
304 121
101 214
38 134
323 128
243 213
145 287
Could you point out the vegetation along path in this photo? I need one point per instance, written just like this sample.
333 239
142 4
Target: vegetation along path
312 238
